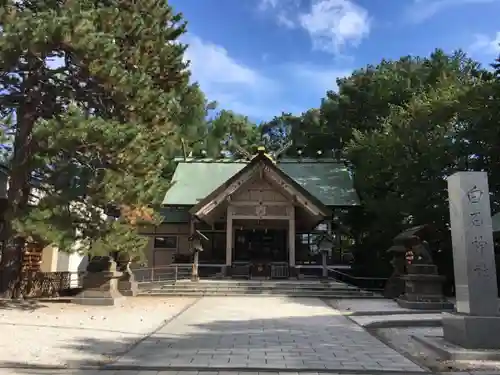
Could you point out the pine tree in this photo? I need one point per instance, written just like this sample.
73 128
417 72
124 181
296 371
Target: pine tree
96 88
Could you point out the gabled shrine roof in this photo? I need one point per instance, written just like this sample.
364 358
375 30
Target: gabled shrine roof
326 179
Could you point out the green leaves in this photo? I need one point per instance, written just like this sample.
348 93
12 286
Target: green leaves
101 127
405 125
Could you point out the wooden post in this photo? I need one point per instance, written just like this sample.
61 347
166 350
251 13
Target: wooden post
194 272
291 238
323 263
229 239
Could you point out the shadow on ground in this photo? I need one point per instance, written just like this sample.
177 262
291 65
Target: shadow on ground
25 305
313 342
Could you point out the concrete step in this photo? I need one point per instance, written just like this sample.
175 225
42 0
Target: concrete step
257 291
163 293
254 284
330 289
254 292
254 287
244 290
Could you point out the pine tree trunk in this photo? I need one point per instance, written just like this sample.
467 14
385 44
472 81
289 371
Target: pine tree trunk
12 283
17 198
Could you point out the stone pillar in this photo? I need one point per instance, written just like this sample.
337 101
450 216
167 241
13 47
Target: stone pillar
229 240
477 311
127 285
194 272
323 264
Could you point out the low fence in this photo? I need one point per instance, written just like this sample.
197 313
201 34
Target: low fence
375 284
174 272
40 284
177 272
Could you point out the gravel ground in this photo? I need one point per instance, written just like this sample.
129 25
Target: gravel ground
64 334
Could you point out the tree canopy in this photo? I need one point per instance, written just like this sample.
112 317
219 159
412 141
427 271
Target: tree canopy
97 93
404 126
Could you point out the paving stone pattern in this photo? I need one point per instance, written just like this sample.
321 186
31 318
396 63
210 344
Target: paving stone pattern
150 372
264 333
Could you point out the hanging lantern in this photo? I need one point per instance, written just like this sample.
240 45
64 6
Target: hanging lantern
325 243
196 240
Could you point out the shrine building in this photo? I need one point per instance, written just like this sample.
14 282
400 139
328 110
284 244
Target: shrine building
255 213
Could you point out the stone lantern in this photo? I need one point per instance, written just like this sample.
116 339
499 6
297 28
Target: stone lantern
325 244
196 245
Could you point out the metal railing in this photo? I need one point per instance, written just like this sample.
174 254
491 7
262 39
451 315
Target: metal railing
173 273
176 272
374 284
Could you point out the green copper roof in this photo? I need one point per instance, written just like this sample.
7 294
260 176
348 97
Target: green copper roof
327 180
193 181
330 182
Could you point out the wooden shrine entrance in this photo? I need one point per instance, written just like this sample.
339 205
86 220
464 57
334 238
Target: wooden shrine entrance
259 205
261 252
260 245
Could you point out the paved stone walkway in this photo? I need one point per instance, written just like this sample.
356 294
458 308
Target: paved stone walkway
149 372
167 372
263 333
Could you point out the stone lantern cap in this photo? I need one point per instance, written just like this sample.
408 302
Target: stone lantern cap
325 242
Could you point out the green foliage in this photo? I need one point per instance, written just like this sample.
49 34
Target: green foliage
99 128
405 126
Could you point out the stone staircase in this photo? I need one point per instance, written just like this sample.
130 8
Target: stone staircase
292 288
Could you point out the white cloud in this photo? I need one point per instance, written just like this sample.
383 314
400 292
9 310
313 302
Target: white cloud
284 11
211 64
421 10
284 20
486 45
320 79
268 4
331 24
336 24
251 91
227 80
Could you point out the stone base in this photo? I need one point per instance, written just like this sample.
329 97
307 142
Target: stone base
97 301
98 298
128 288
472 332
100 288
448 351
425 305
423 291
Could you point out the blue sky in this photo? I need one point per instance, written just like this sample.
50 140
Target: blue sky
262 57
